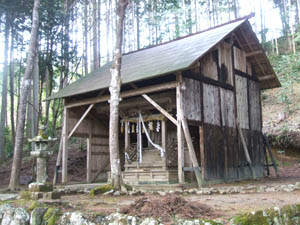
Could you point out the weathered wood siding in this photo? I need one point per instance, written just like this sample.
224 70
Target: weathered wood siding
242 101
191 94
100 148
211 105
239 59
226 61
209 67
223 154
227 107
99 140
255 112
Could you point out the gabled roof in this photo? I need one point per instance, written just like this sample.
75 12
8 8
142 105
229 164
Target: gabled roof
158 60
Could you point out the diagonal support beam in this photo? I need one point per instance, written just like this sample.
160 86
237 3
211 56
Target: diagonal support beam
192 153
158 107
81 119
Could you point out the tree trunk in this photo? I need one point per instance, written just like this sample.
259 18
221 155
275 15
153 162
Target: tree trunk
138 25
85 38
47 80
95 36
235 8
99 32
12 87
29 113
4 90
17 159
35 99
115 87
107 29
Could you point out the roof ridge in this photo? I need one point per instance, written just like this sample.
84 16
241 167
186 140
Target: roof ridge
189 35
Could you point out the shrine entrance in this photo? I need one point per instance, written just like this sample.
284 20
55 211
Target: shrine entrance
147 151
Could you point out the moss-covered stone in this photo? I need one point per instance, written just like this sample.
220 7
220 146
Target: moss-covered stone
25 195
38 187
256 218
51 216
34 205
101 189
37 216
287 215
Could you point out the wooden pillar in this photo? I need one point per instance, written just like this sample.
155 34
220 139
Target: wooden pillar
65 147
127 136
89 155
192 153
180 138
164 141
202 155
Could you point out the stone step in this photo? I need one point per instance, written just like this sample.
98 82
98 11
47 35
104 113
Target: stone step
144 165
153 176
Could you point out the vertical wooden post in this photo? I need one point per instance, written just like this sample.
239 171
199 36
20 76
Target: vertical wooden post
127 136
192 153
164 141
89 155
202 155
141 140
180 138
65 147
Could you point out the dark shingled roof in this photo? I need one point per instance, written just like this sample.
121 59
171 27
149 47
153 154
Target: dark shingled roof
158 60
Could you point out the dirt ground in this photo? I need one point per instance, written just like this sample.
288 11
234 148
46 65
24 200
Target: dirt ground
198 206
221 207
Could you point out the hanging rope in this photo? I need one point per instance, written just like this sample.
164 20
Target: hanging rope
158 147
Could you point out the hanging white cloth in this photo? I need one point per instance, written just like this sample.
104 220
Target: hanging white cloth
158 147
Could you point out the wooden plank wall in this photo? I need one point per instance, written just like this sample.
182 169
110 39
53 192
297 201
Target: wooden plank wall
209 67
249 116
99 140
223 154
225 59
191 94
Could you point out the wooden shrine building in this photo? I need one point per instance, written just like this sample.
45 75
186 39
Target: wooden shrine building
192 104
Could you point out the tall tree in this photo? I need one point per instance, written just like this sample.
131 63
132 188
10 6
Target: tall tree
4 88
95 35
17 159
11 85
115 87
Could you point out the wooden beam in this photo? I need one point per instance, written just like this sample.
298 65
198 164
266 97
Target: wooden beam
244 36
65 147
202 151
254 53
245 75
266 77
159 108
80 120
58 160
180 139
127 136
266 142
208 80
192 153
140 103
126 94
89 155
164 141
246 150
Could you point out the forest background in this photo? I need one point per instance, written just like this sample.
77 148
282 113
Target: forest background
76 37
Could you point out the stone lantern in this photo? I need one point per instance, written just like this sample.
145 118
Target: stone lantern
40 188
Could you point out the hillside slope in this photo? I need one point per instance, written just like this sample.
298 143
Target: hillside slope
281 106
